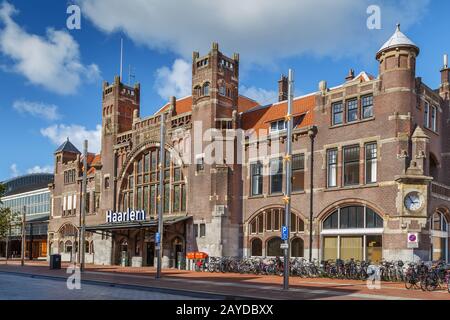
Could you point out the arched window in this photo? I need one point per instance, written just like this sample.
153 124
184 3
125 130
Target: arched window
197 90
274 247
352 232
271 220
61 247
256 250
440 236
139 190
353 217
206 89
91 247
222 90
86 247
68 246
297 248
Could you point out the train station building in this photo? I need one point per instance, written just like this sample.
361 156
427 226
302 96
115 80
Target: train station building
370 169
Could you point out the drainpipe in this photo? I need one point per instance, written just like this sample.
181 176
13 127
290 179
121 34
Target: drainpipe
312 134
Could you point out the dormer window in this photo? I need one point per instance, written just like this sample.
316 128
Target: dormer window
278 126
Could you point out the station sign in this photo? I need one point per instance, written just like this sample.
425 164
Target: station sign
127 216
158 238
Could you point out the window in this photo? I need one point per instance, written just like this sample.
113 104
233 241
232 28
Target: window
297 248
202 230
274 248
256 248
367 107
200 164
352 110
332 168
276 176
433 119
351 166
277 126
256 178
371 163
107 183
298 172
206 89
353 217
338 111
426 115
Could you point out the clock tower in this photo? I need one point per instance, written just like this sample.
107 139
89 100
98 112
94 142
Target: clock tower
412 205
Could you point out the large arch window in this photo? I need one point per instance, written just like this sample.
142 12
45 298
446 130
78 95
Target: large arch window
140 187
272 220
440 237
352 232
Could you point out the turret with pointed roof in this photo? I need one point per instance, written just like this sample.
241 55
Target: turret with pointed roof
398 40
67 146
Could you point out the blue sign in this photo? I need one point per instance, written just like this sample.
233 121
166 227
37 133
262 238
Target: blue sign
284 233
157 238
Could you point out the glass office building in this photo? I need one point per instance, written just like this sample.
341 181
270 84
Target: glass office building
31 193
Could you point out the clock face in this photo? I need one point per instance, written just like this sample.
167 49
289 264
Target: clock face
413 201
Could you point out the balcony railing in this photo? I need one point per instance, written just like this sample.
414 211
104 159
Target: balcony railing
440 191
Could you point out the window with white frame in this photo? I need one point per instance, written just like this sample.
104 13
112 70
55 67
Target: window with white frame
371 163
277 126
332 158
434 119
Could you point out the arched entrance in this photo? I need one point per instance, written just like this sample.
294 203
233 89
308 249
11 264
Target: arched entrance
264 231
352 232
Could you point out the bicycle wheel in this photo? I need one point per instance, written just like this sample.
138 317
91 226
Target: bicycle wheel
409 282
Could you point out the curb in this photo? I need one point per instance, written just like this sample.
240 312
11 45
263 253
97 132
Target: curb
182 292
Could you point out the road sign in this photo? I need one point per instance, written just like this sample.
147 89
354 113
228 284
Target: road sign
284 246
157 238
413 240
284 233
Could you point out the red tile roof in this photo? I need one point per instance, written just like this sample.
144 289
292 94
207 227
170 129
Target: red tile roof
260 117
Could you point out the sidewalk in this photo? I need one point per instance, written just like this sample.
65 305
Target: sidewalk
230 286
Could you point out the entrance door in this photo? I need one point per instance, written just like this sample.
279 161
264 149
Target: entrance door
178 254
150 254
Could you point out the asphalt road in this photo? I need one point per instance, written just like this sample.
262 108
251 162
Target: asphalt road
15 287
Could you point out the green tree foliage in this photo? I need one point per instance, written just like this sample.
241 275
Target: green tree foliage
8 219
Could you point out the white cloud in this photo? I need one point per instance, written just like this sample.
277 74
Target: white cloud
76 133
260 95
52 62
39 169
37 109
175 81
14 170
261 30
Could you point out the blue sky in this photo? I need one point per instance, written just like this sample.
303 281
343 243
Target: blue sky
51 80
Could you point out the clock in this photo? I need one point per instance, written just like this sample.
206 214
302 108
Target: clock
413 201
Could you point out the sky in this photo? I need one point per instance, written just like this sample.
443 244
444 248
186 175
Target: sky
51 75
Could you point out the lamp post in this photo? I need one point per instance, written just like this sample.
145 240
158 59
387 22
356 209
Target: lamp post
24 221
159 239
288 166
82 245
